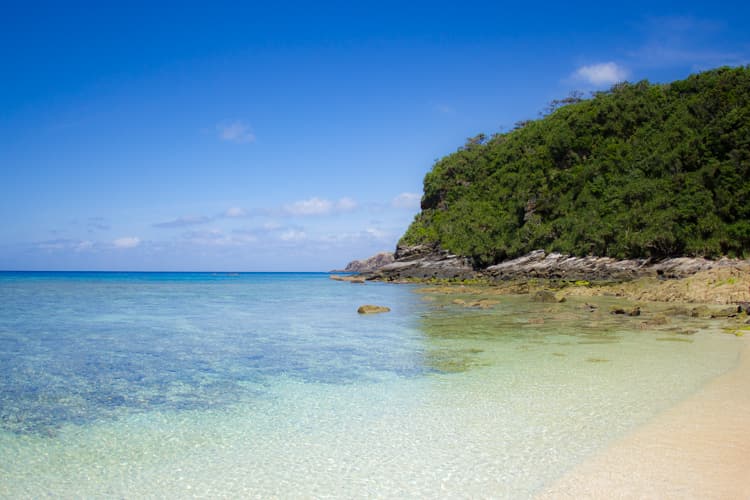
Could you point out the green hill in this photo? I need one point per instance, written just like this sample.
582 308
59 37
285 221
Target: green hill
641 170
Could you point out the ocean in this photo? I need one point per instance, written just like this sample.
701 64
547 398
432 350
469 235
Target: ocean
270 385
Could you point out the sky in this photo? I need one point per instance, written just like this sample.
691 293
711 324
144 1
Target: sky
248 136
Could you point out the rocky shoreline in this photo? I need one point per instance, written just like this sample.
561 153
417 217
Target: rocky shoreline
422 262
681 279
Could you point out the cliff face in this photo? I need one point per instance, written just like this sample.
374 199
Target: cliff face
642 171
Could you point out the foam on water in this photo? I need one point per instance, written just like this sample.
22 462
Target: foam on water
272 385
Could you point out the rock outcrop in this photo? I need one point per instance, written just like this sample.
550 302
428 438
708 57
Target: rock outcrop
732 276
369 265
425 262
539 264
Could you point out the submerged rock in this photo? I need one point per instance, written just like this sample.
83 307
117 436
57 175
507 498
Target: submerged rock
729 312
636 311
371 309
350 279
545 296
700 312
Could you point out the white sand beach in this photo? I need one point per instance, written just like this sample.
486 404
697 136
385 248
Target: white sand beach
699 448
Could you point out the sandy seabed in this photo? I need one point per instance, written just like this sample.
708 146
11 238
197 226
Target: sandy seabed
699 448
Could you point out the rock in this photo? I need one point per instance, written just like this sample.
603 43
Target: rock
700 312
636 311
539 264
371 264
729 312
659 320
424 262
681 267
686 331
485 303
414 252
655 321
350 279
371 309
544 296
677 311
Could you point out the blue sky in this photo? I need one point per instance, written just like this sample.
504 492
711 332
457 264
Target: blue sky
251 137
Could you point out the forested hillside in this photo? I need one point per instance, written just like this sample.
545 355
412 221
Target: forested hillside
641 170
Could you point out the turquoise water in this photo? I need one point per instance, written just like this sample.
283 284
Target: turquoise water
271 385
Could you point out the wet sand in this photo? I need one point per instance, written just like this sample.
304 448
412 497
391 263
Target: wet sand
699 448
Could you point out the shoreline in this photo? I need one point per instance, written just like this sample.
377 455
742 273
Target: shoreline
675 279
680 280
699 448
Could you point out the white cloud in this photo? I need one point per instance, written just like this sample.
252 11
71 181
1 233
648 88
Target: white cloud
127 242
293 235
346 205
601 74
236 131
235 212
406 200
312 206
320 206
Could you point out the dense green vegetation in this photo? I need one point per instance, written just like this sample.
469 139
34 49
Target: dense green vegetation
641 170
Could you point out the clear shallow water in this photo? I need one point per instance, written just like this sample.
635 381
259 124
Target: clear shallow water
150 385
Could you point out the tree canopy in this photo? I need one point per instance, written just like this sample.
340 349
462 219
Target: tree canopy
641 170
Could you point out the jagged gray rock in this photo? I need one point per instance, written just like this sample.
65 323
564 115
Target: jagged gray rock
424 261
539 264
368 265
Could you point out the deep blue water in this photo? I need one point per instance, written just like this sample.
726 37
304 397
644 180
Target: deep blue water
80 346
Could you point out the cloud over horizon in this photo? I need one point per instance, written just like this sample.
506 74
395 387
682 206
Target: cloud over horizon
127 242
